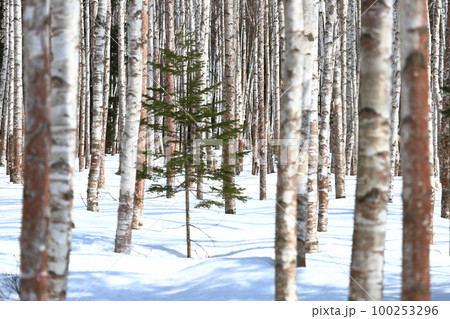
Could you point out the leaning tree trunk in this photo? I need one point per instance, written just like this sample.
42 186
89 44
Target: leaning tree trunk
131 130
290 113
64 68
33 253
415 151
97 109
373 152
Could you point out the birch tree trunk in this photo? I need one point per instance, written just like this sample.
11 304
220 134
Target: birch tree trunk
396 86
169 86
18 94
445 166
4 87
338 154
290 117
33 253
310 101
122 69
138 208
131 131
97 110
325 108
262 142
106 92
229 149
64 70
373 152
415 151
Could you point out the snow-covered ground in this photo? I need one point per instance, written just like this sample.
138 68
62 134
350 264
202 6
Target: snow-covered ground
233 258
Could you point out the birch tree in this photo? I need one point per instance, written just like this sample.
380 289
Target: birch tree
16 175
311 74
64 71
415 151
131 130
325 109
36 40
97 106
372 186
445 145
290 118
169 87
229 149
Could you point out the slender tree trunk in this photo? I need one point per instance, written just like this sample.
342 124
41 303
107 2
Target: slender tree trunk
396 86
83 91
33 253
138 213
286 210
415 151
445 145
310 101
131 130
64 70
373 152
106 93
229 149
98 109
325 107
18 94
262 142
87 136
169 86
122 70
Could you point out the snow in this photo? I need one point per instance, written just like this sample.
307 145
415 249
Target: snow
234 254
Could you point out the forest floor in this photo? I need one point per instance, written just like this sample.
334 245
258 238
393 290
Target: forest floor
234 254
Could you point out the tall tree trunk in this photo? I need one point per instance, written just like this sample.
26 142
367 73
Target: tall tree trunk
229 149
16 175
97 110
325 107
262 145
64 70
83 91
339 149
122 70
373 152
33 253
106 93
415 151
169 86
286 210
311 43
445 145
396 86
4 87
138 209
131 130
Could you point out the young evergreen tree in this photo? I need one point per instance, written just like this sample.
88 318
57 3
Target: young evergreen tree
191 111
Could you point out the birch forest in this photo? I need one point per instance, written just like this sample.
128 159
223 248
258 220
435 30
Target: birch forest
330 107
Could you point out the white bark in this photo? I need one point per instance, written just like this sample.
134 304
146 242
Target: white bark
366 281
131 130
97 110
286 210
64 70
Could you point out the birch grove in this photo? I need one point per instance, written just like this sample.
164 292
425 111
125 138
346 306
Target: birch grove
220 100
